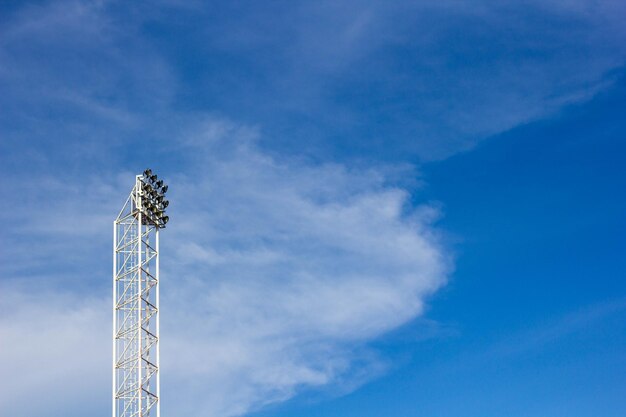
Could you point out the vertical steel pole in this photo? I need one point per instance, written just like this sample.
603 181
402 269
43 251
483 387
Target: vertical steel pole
158 328
139 289
114 382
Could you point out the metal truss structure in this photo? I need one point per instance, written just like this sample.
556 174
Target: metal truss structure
136 356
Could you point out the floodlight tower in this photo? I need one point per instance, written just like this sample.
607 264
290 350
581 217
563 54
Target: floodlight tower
136 382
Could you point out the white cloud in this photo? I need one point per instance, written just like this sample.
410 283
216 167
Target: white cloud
54 352
283 272
276 275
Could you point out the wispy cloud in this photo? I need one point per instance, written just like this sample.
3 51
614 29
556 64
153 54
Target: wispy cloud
532 340
53 343
430 78
542 334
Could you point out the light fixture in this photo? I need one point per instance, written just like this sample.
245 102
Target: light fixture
153 201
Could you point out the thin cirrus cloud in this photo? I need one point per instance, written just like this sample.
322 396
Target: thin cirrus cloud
425 79
276 275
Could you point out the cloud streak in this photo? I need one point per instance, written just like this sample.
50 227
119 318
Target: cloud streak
429 78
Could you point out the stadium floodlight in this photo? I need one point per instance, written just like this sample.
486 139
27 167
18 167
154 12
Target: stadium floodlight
164 189
136 353
159 183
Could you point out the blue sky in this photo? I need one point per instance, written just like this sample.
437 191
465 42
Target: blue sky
395 210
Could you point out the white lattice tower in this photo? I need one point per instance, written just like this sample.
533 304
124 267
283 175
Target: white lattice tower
136 356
